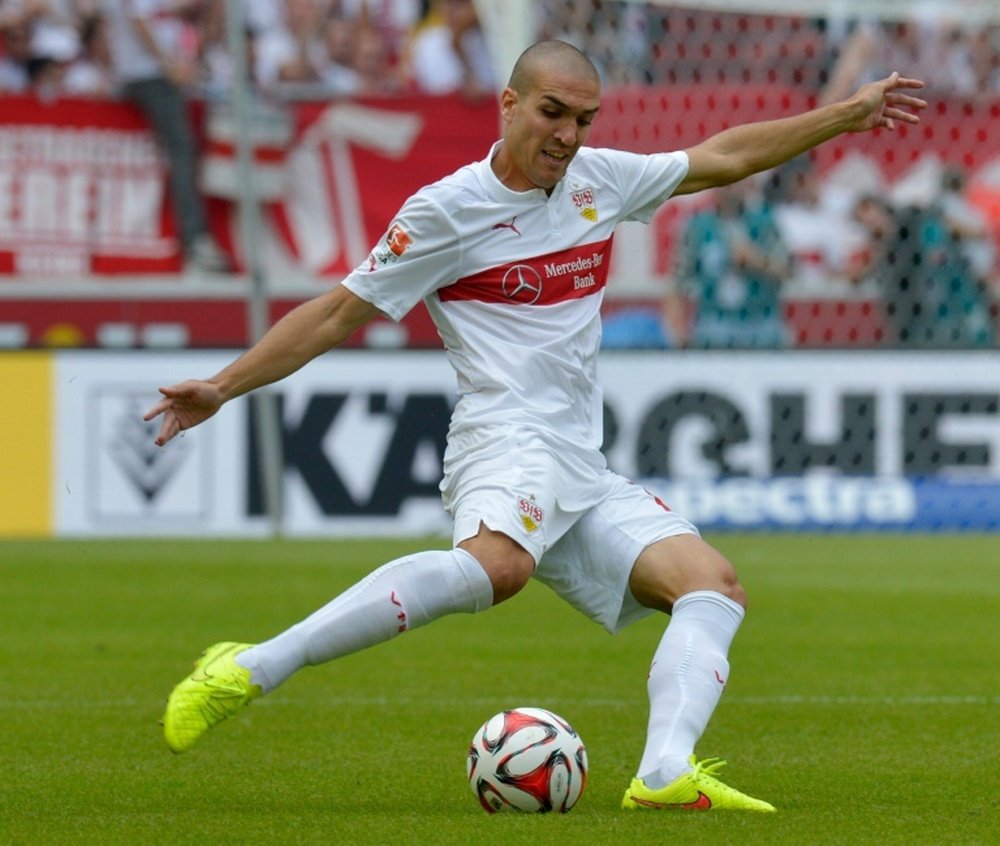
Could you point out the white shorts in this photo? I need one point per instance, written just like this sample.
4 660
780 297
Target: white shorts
584 525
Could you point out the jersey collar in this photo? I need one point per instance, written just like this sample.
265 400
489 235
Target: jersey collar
501 192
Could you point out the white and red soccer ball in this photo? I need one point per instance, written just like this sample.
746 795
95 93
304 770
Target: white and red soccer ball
527 759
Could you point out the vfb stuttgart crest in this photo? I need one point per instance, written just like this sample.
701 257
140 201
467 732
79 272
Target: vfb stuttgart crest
531 513
585 203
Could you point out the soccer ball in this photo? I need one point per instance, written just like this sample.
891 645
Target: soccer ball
527 759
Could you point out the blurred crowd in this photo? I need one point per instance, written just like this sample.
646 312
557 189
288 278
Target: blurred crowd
650 43
746 250
315 48
296 48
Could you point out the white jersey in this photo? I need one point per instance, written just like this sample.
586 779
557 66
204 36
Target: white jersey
514 283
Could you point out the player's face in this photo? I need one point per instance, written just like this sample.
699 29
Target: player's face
544 129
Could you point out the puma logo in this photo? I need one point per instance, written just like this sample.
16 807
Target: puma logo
510 226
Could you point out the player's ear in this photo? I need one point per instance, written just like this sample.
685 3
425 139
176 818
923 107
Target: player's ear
508 103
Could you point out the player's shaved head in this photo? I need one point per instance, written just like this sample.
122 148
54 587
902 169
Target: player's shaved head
548 57
547 109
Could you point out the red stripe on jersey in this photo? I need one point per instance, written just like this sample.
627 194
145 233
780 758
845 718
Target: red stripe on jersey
542 280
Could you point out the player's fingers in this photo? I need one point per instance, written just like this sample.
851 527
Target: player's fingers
157 409
168 429
174 391
906 100
899 114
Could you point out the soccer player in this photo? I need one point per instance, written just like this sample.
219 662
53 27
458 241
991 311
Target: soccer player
510 255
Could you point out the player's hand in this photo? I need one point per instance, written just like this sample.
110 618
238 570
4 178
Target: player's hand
184 405
885 101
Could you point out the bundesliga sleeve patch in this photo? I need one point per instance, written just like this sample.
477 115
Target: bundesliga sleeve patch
396 242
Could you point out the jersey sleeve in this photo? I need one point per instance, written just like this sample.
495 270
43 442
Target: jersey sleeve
419 253
646 181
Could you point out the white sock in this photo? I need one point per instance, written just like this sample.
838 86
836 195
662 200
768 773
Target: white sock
398 596
686 679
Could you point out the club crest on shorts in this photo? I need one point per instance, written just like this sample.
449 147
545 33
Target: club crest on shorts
531 513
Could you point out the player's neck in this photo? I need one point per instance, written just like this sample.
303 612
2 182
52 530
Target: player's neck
510 175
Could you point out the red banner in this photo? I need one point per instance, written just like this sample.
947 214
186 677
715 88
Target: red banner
81 191
82 187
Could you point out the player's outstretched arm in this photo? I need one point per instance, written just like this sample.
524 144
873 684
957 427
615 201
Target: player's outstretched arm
305 332
736 153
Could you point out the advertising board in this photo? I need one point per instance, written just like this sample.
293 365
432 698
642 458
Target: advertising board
832 441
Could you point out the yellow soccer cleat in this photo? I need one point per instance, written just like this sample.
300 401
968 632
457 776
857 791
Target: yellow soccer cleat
697 790
218 689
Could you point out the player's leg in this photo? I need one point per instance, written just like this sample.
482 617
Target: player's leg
400 595
628 557
404 594
687 578
493 557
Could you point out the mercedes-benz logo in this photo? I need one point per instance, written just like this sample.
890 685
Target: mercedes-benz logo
522 284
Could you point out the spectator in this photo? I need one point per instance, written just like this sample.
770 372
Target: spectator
145 38
967 223
921 41
372 65
448 54
263 15
337 70
217 70
52 50
39 39
932 299
15 51
92 73
359 59
391 20
293 53
818 237
984 60
731 266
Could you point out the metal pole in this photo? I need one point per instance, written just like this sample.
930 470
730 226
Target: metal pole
264 404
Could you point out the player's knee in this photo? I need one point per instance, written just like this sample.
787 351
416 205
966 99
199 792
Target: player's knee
679 565
507 564
509 575
720 576
735 591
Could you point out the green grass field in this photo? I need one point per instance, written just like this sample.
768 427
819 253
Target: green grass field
864 700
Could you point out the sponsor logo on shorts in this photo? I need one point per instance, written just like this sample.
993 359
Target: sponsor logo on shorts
531 513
